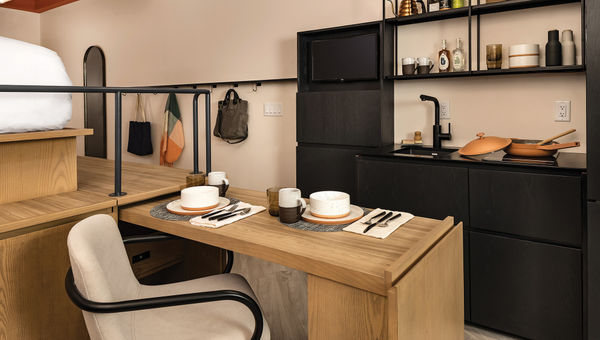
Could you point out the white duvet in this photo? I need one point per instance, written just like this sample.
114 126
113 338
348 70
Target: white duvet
22 63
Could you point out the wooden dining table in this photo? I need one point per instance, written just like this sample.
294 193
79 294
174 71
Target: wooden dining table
406 286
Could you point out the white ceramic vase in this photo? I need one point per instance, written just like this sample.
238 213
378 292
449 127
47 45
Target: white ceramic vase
568 48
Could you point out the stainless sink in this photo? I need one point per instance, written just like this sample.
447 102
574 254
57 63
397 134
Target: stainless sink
416 151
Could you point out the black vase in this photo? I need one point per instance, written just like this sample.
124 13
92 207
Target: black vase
553 49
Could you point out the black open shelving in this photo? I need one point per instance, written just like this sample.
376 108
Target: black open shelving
504 71
475 11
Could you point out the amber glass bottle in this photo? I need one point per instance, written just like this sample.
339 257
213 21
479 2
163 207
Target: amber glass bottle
444 58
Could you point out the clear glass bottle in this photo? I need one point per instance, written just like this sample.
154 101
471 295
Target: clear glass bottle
444 58
458 57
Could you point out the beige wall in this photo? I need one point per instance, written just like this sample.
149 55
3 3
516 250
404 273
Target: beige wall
507 106
159 42
20 25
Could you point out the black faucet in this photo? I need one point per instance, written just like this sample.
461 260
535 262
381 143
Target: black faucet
438 136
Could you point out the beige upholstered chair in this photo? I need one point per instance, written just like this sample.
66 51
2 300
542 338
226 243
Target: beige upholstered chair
117 307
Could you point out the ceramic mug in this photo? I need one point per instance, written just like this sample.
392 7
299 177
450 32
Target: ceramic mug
291 205
218 179
425 65
409 66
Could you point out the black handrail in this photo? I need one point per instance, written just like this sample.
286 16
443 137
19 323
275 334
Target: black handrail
164 301
118 91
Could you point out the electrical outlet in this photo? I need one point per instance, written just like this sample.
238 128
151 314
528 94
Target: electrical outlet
562 111
445 110
273 109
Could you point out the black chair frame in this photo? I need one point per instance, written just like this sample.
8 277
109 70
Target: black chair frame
165 301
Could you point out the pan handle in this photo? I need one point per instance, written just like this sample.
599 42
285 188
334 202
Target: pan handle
559 146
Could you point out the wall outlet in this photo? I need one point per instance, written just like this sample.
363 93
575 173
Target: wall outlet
562 111
273 109
445 110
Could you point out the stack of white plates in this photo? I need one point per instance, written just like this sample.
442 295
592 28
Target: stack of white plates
197 201
331 207
524 55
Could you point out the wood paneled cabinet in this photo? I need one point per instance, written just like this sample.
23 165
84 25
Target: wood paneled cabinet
33 300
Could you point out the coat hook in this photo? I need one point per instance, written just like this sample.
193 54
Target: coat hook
212 87
235 85
256 85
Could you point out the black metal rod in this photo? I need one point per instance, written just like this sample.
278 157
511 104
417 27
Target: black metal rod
470 40
479 40
207 127
118 139
118 91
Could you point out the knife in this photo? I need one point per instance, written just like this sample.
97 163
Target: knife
224 209
388 215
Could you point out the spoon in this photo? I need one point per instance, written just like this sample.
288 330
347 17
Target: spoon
548 140
240 213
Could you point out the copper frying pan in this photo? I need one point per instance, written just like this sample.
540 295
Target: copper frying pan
532 148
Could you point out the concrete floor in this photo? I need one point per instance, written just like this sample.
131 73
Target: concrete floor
476 333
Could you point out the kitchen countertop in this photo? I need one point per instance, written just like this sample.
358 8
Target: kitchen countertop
564 160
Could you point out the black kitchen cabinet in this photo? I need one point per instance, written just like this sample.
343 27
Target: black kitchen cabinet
326 168
339 117
421 189
540 206
530 289
593 269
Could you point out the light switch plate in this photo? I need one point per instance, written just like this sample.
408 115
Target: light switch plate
273 109
562 111
445 110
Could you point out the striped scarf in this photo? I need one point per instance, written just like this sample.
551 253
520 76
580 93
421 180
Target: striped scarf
172 141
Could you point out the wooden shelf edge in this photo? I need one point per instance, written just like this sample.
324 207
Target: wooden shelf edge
37 135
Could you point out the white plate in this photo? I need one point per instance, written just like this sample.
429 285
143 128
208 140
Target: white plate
355 214
175 208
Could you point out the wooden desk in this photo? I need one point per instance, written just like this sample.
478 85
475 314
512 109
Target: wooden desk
408 286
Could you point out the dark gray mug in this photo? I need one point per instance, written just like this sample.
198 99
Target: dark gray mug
291 215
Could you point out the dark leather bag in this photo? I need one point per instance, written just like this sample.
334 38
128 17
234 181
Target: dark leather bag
140 136
232 119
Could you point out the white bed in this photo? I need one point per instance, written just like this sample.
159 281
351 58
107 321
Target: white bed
23 63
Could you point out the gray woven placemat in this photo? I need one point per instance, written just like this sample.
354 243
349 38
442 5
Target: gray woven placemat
160 211
325 228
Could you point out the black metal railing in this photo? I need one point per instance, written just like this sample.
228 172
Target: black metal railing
118 92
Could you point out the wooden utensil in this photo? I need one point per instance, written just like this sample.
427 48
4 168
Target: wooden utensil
548 140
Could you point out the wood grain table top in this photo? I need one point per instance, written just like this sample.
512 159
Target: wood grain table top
359 261
139 181
37 135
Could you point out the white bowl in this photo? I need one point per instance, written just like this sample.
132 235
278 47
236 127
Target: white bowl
524 61
524 49
329 204
199 198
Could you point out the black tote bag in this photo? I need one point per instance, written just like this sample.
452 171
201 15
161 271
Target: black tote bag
140 136
232 119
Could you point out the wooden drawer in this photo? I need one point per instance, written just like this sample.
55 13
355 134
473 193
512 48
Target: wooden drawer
530 289
541 206
421 189
339 117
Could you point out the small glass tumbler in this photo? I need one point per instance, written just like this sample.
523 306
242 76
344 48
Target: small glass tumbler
494 56
194 180
273 198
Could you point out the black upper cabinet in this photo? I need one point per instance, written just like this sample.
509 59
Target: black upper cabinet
540 206
340 117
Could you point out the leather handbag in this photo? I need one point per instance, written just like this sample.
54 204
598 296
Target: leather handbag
140 136
232 119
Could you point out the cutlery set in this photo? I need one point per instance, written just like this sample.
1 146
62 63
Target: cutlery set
382 222
226 213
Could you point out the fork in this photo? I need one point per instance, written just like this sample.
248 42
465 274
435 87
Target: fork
372 219
241 213
225 210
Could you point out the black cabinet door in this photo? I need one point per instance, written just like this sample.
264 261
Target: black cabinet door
326 168
421 189
542 206
529 289
593 268
339 117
